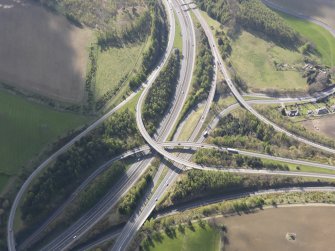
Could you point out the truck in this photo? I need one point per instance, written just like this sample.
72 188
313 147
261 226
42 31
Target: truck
231 150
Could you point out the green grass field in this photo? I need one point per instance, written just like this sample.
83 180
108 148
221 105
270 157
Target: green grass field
25 129
201 239
213 24
3 181
322 38
302 168
191 123
178 42
253 58
114 64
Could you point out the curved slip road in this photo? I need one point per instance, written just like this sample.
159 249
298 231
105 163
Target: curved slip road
10 233
132 226
130 229
135 171
63 241
239 97
300 139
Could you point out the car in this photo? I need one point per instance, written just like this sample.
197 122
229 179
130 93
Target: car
205 134
156 199
74 237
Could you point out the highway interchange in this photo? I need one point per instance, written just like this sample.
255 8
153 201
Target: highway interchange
85 223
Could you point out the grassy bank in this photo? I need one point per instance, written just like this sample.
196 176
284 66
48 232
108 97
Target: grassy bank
114 66
254 60
323 39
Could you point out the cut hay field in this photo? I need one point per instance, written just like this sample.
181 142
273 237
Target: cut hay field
196 239
267 229
322 10
26 128
253 59
42 52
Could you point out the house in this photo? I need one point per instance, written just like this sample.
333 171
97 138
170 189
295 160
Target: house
292 113
322 111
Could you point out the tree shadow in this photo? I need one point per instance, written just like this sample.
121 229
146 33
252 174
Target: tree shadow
190 226
170 232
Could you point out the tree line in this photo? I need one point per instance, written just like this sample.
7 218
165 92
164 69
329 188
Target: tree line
212 157
159 37
152 54
255 15
85 200
131 200
136 32
203 75
54 185
90 79
252 15
245 131
160 94
199 184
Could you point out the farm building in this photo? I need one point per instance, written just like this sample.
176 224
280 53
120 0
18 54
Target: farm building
322 111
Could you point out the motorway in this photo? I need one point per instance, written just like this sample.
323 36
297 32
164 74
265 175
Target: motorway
10 233
67 239
186 72
225 197
208 201
81 227
137 220
131 228
131 176
136 170
10 225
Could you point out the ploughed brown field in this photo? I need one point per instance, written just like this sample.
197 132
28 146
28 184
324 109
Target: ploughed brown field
320 9
323 125
42 52
266 230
